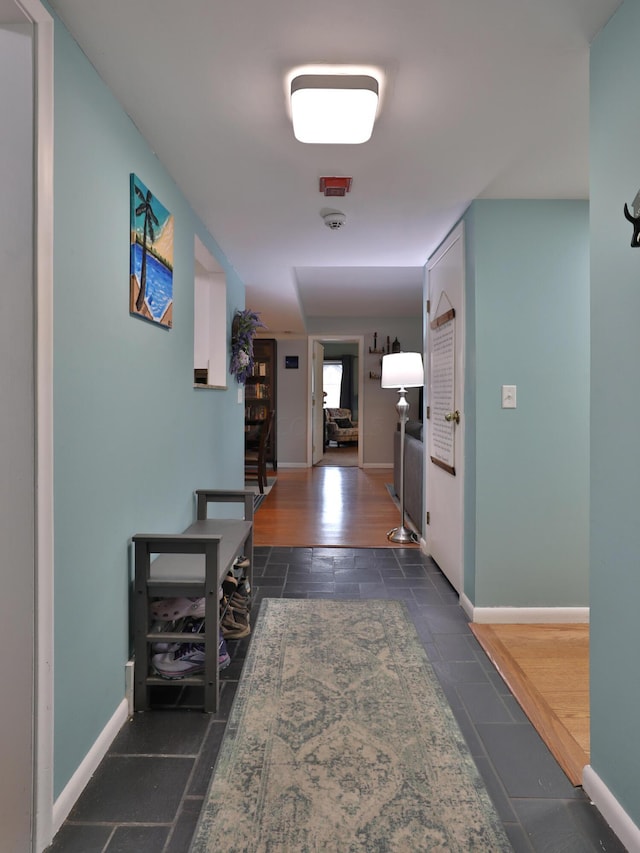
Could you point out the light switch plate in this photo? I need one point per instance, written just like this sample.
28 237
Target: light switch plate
508 396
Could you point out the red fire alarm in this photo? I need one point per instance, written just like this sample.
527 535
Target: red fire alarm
335 186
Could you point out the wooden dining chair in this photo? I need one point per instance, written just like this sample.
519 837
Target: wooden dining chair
255 454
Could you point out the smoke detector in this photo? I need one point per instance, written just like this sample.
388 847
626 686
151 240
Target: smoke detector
334 220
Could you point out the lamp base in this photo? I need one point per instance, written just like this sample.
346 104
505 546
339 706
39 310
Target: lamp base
402 535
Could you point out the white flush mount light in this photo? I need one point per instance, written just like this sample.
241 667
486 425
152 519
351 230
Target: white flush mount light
334 109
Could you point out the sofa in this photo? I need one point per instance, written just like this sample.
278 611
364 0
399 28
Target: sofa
340 427
413 471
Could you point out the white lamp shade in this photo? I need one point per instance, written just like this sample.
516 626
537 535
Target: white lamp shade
333 108
402 370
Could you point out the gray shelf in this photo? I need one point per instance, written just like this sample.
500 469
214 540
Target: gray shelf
192 564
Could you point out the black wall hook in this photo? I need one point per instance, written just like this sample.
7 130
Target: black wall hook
634 220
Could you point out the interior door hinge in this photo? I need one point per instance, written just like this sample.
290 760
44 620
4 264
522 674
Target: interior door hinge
428 412
428 518
428 306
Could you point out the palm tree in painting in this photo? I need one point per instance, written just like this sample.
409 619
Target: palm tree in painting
150 219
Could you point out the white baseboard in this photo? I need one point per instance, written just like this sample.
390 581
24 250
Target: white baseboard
129 674
76 785
293 464
610 809
377 464
524 615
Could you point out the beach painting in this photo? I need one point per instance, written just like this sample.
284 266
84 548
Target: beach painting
151 265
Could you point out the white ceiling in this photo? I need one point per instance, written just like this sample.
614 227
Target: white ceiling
481 99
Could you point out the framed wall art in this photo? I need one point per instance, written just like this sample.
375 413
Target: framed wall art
151 258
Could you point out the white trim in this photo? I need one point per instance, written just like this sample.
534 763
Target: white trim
34 11
354 339
129 681
610 809
43 277
378 465
88 766
524 615
467 606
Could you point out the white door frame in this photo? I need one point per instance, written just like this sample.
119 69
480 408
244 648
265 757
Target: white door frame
43 27
330 339
456 237
317 404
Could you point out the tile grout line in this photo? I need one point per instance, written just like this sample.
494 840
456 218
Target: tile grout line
181 804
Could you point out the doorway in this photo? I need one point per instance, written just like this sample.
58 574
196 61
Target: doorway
26 445
337 361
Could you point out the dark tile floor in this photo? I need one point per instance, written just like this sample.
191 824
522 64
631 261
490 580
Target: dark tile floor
147 793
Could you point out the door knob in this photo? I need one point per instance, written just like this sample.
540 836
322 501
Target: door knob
453 416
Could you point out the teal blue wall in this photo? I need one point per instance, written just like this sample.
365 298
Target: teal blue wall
132 437
528 325
615 410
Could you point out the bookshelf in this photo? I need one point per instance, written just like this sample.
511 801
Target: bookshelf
260 391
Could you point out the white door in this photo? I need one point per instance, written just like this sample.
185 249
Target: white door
317 400
445 427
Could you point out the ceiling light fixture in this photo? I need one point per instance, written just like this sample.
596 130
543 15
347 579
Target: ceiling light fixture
334 109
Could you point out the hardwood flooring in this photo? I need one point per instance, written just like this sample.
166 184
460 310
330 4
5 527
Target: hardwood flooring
327 506
547 669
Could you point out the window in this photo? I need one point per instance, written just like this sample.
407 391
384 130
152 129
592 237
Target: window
332 383
209 321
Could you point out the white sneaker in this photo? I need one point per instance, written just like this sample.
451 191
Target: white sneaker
186 659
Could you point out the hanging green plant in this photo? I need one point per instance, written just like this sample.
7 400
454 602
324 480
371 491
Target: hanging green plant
243 330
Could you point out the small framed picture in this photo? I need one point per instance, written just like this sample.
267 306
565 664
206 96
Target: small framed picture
151 263
291 362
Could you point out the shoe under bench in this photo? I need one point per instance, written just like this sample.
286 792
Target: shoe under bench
190 564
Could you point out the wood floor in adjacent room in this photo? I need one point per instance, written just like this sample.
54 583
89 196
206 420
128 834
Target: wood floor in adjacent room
547 669
328 506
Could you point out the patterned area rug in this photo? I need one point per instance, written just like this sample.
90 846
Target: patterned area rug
340 739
